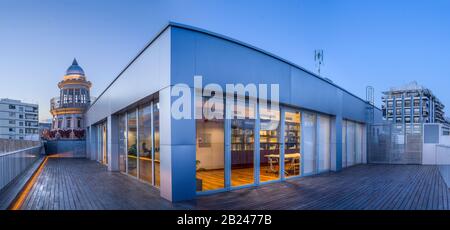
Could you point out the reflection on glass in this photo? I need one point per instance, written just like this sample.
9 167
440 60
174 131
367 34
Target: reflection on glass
242 151
210 174
351 156
292 148
122 142
359 143
145 143
132 142
344 144
309 143
156 141
269 144
324 143
102 154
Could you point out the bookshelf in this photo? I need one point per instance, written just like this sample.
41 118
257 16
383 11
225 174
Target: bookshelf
242 141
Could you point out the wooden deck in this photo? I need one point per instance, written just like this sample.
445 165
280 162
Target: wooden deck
370 187
68 184
83 184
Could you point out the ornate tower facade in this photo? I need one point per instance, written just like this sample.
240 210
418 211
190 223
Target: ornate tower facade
73 100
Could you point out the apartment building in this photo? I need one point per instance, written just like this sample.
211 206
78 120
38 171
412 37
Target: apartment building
412 103
19 120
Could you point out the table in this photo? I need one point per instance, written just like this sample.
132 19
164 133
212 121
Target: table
270 157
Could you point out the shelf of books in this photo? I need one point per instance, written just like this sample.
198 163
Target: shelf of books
242 141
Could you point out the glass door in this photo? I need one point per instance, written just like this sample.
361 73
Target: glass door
242 145
132 143
104 146
269 134
156 143
145 137
102 156
292 147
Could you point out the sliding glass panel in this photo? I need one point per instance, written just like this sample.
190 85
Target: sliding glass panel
269 144
104 146
309 143
132 143
99 143
358 143
156 141
242 147
210 153
350 143
324 143
145 143
292 148
344 144
122 142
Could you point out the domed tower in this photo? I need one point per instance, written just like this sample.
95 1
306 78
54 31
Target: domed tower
73 100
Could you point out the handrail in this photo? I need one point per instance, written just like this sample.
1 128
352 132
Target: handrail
20 150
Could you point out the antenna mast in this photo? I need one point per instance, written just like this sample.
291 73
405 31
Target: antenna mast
318 58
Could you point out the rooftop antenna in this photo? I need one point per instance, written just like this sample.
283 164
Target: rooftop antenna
318 58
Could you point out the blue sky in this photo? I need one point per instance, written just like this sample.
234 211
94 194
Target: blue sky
380 43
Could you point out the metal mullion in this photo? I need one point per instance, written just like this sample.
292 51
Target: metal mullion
227 139
316 143
137 144
302 145
153 143
256 145
126 142
281 140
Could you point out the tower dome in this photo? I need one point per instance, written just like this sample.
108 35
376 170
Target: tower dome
75 69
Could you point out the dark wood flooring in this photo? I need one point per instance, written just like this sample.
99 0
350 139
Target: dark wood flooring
408 187
83 184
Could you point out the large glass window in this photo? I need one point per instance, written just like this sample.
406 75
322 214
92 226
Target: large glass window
269 144
351 156
122 142
102 156
359 143
145 143
156 142
309 143
344 144
324 143
132 143
292 148
242 150
210 172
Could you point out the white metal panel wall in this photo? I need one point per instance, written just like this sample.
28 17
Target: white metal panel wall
148 74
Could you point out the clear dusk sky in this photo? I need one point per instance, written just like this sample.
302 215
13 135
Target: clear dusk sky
381 43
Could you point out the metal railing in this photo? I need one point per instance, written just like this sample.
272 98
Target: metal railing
13 163
56 103
8 145
395 144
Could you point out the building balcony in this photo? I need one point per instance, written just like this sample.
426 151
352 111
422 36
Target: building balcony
55 103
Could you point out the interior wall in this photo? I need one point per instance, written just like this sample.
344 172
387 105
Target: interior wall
212 156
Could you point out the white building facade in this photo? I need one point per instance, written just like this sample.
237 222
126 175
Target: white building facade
318 127
19 120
